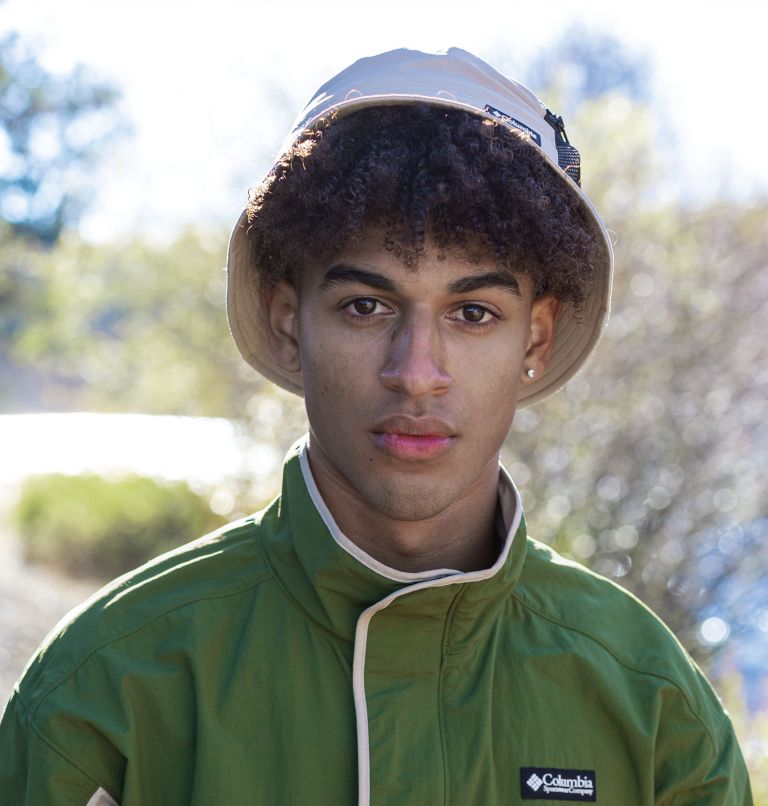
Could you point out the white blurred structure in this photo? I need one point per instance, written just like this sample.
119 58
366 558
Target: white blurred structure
197 449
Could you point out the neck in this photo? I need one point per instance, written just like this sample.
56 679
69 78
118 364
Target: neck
462 536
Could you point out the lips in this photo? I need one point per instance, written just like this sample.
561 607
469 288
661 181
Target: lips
413 438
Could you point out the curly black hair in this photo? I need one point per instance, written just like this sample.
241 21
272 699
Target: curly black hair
422 172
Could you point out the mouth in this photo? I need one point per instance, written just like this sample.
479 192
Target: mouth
413 438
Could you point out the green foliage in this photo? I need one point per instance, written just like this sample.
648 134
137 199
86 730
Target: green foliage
95 527
131 327
135 327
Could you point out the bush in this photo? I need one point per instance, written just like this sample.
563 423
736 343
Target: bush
90 526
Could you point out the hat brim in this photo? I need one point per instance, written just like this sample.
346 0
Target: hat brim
247 313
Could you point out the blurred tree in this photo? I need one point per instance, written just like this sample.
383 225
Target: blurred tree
585 64
133 327
52 130
18 289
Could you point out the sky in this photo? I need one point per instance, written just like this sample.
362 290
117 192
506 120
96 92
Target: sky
211 88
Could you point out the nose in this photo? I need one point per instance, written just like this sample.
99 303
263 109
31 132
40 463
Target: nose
414 365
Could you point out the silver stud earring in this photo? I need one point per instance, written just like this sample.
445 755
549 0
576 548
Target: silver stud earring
530 372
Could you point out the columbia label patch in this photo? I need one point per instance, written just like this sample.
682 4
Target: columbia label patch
518 124
548 783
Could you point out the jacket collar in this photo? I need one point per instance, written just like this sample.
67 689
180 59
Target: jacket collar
333 580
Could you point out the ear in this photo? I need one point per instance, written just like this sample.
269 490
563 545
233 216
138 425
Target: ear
281 307
544 312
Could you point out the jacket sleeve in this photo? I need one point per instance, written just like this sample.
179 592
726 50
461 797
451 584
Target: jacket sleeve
34 772
698 760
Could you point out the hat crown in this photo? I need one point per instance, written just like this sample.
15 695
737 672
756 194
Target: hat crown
451 78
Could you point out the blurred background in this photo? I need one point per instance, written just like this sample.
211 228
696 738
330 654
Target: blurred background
129 134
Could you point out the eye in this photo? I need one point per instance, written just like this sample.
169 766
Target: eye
365 308
473 314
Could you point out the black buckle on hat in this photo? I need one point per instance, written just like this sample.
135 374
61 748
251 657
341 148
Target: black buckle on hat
568 157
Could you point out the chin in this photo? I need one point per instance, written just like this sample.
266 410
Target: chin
409 504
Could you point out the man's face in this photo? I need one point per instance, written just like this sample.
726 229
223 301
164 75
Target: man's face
411 376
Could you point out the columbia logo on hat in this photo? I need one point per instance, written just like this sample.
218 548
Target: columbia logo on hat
497 113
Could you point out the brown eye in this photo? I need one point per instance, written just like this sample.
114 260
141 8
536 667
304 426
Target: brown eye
364 306
473 313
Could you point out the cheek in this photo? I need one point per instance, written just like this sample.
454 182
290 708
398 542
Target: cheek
337 386
492 381
491 369
334 360
324 380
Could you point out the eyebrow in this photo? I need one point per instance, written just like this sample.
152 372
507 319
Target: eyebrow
489 279
346 273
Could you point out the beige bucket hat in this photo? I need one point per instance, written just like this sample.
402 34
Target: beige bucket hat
458 80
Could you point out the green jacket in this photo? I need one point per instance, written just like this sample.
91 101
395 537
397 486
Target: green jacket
275 663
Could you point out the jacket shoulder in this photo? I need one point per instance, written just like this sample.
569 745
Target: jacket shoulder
599 616
225 563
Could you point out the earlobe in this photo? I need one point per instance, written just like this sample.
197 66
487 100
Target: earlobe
541 340
281 304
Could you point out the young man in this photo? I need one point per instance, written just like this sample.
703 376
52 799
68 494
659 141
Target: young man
420 262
